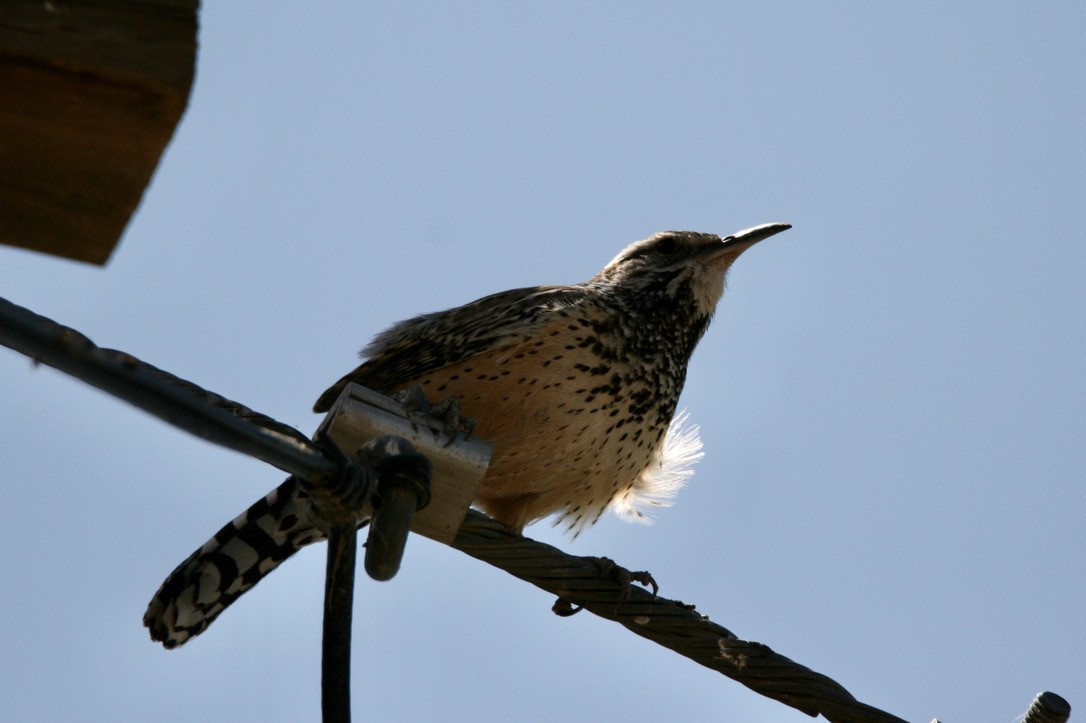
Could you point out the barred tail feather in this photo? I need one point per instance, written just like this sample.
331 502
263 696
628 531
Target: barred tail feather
231 562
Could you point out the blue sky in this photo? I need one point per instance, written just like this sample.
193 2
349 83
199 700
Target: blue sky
891 396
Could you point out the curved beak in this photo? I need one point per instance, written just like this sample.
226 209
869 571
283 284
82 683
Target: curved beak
750 236
731 246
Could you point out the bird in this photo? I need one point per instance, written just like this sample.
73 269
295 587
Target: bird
576 386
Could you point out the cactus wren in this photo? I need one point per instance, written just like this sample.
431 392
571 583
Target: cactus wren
575 386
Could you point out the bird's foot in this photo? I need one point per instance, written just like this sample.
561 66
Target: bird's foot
446 413
608 568
624 577
564 608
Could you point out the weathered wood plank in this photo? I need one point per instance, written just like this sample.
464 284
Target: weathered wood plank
90 94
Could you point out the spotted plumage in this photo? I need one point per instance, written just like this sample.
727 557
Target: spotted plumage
576 386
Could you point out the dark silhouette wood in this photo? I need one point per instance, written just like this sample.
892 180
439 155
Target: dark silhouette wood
90 94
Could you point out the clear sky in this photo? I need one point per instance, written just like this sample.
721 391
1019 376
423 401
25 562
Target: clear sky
892 396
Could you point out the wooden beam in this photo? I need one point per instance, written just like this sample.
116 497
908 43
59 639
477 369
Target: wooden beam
90 94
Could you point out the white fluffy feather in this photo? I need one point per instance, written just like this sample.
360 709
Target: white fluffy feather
670 468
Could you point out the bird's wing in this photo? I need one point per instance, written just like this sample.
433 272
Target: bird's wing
429 342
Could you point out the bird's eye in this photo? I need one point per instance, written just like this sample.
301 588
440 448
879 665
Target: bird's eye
666 246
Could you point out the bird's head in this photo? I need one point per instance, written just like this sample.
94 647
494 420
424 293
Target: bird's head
671 262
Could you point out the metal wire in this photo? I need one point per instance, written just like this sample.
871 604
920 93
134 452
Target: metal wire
669 623
577 580
175 400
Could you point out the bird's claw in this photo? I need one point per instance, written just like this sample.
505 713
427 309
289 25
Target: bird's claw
446 413
564 608
624 577
610 569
